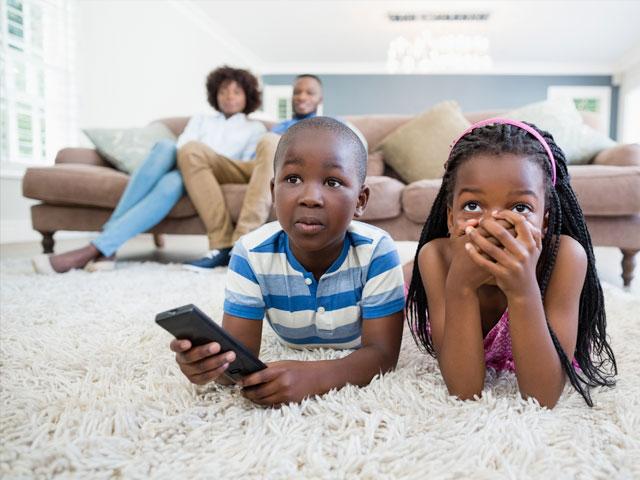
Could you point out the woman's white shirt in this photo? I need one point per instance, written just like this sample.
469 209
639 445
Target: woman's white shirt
235 137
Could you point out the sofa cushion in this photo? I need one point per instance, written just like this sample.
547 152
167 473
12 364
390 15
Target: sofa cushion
84 185
418 197
75 184
601 191
606 191
375 164
101 187
376 127
384 198
178 124
620 155
88 156
419 149
126 148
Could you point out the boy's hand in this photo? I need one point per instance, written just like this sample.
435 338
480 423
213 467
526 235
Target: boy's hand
201 364
280 383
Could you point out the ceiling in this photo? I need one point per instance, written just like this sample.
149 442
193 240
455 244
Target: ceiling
352 36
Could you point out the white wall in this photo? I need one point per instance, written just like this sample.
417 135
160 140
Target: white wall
141 60
629 115
15 220
136 61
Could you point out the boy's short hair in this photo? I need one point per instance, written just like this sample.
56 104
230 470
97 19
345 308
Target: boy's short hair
337 128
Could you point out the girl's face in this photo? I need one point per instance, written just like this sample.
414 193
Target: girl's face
231 98
485 183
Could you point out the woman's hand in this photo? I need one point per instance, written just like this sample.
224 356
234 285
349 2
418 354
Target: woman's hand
513 261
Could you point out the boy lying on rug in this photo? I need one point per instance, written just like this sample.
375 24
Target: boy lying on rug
321 279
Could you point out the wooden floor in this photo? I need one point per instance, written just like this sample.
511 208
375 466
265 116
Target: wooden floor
179 248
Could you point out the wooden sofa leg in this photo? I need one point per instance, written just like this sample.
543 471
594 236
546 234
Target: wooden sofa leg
628 265
158 240
47 242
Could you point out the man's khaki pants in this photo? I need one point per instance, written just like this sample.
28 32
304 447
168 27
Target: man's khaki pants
204 170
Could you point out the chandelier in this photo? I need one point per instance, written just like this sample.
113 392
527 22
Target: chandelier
429 53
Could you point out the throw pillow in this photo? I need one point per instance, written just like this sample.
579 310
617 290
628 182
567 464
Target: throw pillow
126 148
419 148
579 142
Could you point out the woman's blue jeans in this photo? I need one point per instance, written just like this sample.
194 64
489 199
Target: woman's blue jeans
153 190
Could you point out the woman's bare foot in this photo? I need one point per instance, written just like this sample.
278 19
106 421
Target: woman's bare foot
63 262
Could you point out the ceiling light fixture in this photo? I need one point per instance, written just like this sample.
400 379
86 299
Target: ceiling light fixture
429 53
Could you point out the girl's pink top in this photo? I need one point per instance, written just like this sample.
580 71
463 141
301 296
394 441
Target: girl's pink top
497 346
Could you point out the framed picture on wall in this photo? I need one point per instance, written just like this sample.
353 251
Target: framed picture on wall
594 103
276 101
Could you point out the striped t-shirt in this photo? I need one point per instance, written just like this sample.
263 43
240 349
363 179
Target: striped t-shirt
364 282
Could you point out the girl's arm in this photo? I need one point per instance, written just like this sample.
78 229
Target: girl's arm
454 314
538 368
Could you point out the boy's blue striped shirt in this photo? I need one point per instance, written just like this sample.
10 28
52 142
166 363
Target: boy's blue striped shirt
364 282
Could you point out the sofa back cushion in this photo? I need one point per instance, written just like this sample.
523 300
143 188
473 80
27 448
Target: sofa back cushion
178 124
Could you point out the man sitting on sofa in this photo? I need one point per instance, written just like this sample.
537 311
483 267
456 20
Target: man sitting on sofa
204 170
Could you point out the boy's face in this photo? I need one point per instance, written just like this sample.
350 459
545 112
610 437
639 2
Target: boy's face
317 192
307 95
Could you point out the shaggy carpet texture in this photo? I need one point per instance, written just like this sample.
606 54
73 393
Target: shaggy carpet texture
91 390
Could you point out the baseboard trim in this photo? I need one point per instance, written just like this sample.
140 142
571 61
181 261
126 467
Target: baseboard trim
18 231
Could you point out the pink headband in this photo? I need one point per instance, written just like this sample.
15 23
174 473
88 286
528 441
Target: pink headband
515 123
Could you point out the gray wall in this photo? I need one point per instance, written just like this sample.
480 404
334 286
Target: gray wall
409 94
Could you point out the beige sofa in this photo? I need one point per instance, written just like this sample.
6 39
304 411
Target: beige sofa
80 191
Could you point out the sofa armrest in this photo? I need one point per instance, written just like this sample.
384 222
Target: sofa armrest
620 155
86 156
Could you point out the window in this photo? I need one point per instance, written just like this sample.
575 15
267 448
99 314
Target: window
276 101
37 84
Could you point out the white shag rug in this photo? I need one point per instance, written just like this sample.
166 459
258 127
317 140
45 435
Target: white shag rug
89 389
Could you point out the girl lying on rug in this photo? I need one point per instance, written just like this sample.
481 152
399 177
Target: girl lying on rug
504 275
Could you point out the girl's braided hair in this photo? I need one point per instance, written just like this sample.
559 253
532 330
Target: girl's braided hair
593 353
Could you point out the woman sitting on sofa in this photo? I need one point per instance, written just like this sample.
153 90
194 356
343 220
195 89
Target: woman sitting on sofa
156 186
